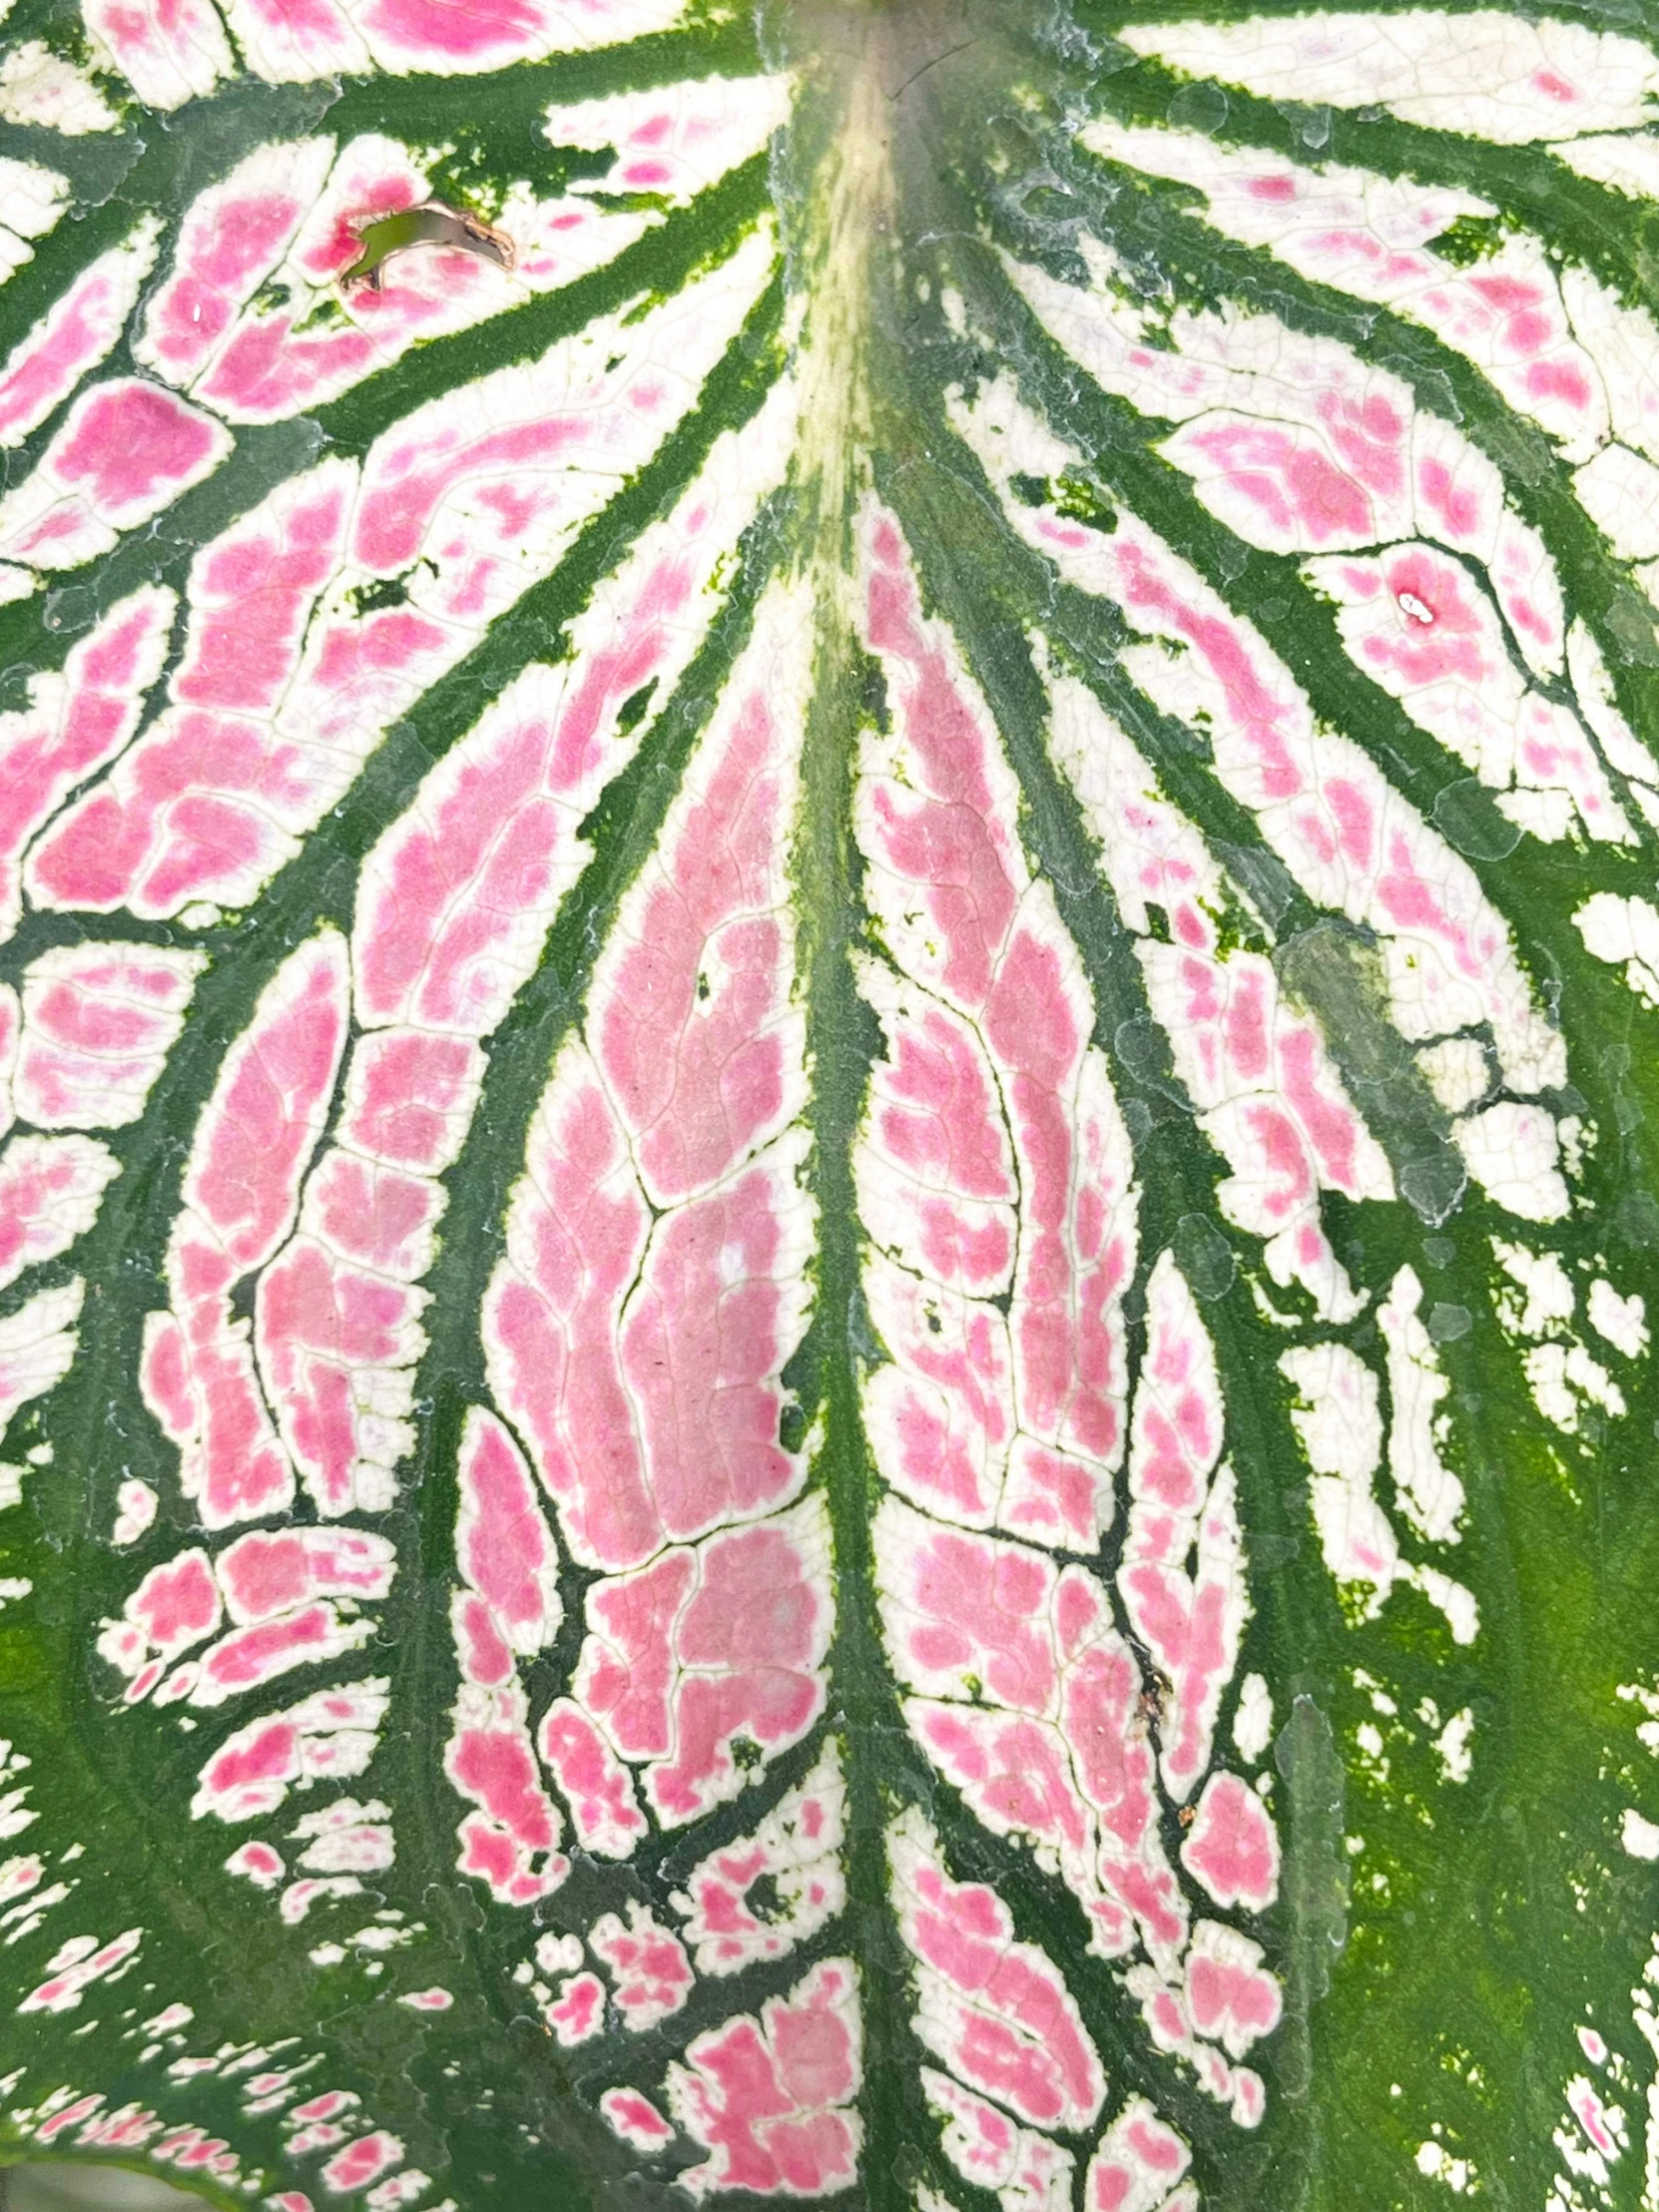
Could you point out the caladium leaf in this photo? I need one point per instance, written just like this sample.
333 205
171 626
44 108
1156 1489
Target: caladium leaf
830 954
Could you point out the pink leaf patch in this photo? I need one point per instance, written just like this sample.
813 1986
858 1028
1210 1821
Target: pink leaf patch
636 2119
647 1962
1230 1995
126 450
1232 1847
995 2009
1138 2163
768 2099
709 1646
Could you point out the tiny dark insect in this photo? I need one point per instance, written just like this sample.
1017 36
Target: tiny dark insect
429 224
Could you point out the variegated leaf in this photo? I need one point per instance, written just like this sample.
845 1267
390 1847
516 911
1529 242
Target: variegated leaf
826 874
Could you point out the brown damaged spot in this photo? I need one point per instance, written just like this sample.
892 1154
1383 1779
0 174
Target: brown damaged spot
430 225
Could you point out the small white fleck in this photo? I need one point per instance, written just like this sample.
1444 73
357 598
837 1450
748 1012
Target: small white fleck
559 1954
1457 1071
136 1508
1549 1293
1453 1744
1253 1721
1622 1320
